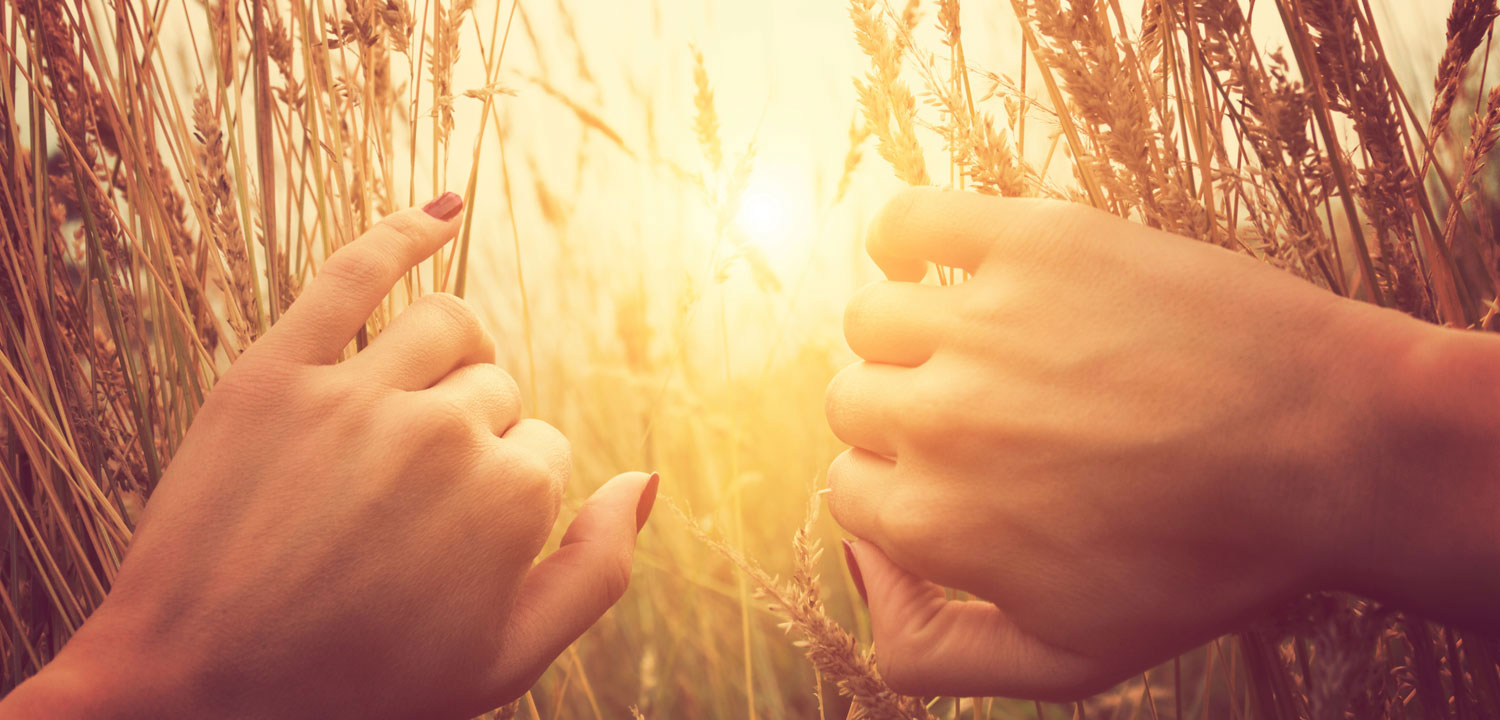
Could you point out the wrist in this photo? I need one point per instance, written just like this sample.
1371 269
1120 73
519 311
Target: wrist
104 673
1427 541
57 691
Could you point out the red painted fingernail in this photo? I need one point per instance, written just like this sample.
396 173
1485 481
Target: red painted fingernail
445 206
859 580
648 499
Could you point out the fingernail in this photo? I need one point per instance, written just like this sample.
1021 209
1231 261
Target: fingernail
445 206
648 498
859 580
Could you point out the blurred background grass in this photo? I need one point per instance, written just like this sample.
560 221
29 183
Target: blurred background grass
716 380
664 326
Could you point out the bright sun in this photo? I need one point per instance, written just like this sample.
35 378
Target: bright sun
762 213
775 215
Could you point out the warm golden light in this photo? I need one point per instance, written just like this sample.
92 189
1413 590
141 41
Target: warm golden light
776 215
762 214
667 208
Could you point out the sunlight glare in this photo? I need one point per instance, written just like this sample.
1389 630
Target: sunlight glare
776 215
762 214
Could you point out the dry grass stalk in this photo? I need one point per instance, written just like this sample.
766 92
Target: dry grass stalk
857 135
221 221
111 246
114 241
442 56
724 187
1484 132
507 712
1274 124
705 116
981 150
887 102
1190 125
1136 157
833 652
1469 22
1356 81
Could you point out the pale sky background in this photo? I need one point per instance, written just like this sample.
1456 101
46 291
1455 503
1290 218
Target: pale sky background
782 74
781 71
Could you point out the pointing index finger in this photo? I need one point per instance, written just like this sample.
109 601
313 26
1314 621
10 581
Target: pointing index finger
354 280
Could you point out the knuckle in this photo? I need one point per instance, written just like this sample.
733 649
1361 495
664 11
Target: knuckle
453 310
838 488
359 265
560 469
496 381
400 227
459 319
541 475
615 576
838 472
858 313
532 470
526 518
445 422
494 394
892 215
849 496
837 393
557 452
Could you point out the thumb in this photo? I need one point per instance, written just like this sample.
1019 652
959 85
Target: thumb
926 644
567 592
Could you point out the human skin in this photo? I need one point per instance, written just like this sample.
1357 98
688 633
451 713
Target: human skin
351 539
1122 443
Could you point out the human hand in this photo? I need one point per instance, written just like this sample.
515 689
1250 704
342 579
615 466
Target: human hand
352 539
1121 442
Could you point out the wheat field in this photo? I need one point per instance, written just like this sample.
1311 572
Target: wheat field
666 204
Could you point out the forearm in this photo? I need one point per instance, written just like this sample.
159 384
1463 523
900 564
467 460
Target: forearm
1430 542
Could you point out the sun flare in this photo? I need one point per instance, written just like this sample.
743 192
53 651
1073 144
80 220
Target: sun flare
776 214
762 214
